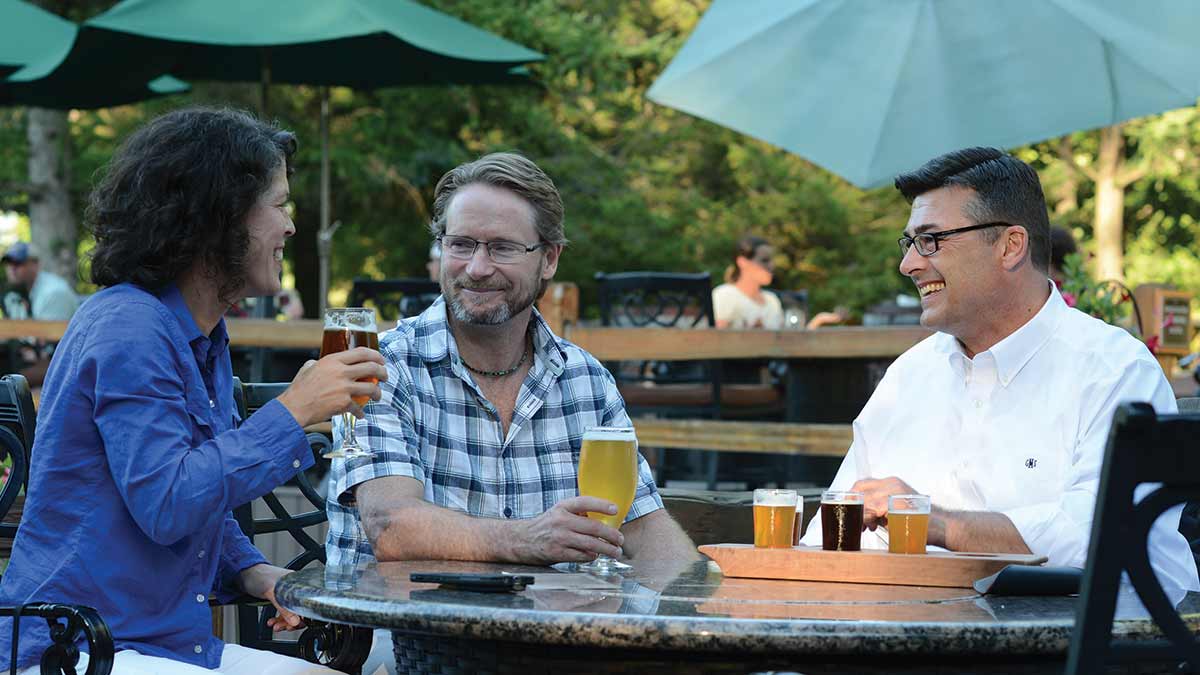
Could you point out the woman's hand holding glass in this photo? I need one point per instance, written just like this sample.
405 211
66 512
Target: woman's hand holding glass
344 379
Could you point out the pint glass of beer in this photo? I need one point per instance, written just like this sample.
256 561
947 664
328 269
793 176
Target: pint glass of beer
345 329
608 464
907 523
841 520
774 518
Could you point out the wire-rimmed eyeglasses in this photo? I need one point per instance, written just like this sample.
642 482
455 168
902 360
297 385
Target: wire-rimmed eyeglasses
500 251
927 242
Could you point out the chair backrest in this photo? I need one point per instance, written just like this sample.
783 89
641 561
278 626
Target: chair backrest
17 421
1189 404
649 299
394 299
1142 448
252 629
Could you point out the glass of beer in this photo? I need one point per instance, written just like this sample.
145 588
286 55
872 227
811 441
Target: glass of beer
841 520
774 518
908 523
608 464
345 329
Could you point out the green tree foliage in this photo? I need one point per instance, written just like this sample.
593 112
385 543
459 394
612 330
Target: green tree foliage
646 187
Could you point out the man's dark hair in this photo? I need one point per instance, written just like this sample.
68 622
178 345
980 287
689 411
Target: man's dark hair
745 248
178 191
1006 189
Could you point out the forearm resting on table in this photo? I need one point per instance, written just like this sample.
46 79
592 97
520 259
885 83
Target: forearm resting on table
976 531
401 525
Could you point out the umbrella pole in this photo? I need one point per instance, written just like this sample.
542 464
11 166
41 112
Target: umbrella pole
325 233
265 83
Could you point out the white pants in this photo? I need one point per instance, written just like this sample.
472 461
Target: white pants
235 660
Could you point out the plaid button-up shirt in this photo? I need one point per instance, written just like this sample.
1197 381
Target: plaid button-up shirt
435 425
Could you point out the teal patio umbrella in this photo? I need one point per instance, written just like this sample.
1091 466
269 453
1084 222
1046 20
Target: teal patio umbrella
870 88
29 34
355 43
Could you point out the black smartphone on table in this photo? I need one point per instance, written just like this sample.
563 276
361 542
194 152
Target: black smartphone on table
485 583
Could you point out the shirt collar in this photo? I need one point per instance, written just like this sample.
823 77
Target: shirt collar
434 342
218 339
1014 351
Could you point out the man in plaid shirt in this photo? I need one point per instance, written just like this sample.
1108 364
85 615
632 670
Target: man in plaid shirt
477 436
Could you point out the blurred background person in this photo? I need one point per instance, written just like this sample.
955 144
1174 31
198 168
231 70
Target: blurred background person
1062 244
49 296
34 294
742 301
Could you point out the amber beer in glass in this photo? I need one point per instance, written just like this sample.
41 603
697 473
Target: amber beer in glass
841 520
774 518
345 329
608 464
908 523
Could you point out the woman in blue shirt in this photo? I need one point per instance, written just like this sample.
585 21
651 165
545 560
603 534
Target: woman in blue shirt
140 456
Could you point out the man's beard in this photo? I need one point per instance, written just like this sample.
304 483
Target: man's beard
493 316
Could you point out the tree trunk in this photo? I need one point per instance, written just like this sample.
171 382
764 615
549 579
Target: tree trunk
1109 223
55 231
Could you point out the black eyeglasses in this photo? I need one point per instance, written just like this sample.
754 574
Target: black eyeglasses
500 251
927 242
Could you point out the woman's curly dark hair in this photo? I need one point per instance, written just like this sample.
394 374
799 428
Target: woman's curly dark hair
178 191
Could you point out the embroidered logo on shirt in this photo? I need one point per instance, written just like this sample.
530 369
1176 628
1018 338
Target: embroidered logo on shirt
1030 463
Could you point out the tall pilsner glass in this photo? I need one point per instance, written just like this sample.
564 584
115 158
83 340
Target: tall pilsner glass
345 329
608 465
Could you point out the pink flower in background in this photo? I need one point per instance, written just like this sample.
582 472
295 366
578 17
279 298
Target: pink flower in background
1069 298
1152 344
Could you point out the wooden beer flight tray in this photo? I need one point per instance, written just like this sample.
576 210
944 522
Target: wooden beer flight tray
809 563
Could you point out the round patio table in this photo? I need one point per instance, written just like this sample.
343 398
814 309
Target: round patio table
687 617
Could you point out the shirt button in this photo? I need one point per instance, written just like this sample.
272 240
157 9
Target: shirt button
507 512
198 649
201 554
978 403
296 464
212 403
200 597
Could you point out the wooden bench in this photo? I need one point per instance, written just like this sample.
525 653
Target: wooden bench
776 438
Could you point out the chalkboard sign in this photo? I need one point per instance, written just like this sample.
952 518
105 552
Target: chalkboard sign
1165 313
1176 314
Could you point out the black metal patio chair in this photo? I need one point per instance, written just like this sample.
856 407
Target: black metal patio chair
394 299
1142 448
66 623
338 646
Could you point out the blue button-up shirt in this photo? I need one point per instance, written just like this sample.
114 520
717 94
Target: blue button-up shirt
138 463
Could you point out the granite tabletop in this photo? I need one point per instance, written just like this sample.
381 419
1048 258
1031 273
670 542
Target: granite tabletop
692 607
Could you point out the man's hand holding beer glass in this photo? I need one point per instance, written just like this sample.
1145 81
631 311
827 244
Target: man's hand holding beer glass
977 531
565 533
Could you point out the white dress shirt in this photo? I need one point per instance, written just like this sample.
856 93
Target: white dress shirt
1020 429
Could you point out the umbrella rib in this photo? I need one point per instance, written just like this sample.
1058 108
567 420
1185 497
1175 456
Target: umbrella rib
879 131
718 54
1108 46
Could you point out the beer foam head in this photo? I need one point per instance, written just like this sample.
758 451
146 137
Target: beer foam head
841 497
609 434
765 497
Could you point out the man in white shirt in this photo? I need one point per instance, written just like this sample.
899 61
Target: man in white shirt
1003 415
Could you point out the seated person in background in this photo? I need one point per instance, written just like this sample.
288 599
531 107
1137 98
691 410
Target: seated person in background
478 433
139 456
1062 244
40 295
741 302
434 266
1003 415
51 298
